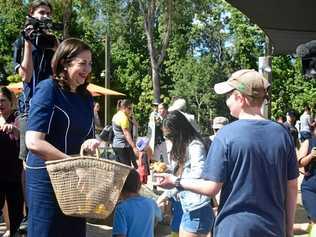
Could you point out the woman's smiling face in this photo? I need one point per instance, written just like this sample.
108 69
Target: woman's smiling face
5 106
79 69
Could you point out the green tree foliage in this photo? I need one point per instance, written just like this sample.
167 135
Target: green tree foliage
290 89
246 39
12 17
129 56
209 40
195 81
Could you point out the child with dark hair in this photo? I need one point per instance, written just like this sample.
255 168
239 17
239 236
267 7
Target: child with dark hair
129 220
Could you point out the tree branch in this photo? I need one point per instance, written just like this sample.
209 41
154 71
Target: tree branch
167 33
149 20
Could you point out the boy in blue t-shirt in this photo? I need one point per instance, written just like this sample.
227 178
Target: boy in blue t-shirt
252 161
134 215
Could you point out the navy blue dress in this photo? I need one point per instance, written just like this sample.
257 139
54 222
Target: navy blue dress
308 187
67 120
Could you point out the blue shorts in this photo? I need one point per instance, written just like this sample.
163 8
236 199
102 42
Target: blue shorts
305 135
308 189
199 221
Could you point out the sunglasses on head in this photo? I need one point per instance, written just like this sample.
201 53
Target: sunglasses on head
168 136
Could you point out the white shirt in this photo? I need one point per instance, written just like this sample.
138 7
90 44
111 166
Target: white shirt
306 121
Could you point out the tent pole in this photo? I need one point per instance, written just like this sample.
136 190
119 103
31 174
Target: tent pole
268 72
264 67
107 78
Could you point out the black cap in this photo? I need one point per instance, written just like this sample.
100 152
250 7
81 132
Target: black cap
290 113
156 102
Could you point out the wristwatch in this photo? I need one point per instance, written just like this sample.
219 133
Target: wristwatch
178 185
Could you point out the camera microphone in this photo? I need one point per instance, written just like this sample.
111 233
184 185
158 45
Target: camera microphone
306 49
302 50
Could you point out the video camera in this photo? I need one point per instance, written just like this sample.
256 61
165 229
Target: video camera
307 52
39 36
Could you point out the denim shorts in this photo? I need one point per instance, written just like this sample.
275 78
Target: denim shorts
305 135
199 221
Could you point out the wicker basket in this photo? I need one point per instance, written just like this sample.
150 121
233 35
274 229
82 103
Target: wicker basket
87 186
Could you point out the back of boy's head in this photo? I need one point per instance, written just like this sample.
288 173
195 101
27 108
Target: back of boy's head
132 182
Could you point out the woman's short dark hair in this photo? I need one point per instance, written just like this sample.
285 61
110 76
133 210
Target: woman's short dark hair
7 93
37 3
65 53
181 133
121 104
132 183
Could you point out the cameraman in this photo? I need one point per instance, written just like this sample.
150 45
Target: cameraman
32 62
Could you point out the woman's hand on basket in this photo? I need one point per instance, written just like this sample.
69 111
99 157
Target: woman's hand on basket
90 145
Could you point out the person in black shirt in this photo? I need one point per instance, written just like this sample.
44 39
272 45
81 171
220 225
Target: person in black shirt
32 63
290 125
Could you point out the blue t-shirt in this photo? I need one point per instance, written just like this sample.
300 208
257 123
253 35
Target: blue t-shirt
135 216
254 159
65 117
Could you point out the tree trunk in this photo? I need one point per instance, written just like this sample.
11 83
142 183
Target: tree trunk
156 82
149 10
67 18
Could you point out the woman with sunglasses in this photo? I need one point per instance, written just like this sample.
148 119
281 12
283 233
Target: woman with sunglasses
123 143
189 154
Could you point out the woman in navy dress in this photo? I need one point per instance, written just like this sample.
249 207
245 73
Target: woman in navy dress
307 159
61 120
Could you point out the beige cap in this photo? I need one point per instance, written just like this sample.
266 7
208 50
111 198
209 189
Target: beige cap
248 82
178 104
219 122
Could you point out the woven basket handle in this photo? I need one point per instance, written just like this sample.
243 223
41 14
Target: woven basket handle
97 152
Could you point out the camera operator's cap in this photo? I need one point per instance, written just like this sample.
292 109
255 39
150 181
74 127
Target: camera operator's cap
156 102
248 82
290 113
178 104
142 143
219 122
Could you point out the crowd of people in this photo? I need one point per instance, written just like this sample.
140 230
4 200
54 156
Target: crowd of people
240 181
